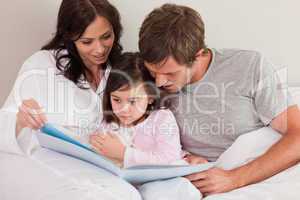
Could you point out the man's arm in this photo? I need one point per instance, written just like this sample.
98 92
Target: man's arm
282 155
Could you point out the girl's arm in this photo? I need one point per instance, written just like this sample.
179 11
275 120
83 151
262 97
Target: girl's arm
167 147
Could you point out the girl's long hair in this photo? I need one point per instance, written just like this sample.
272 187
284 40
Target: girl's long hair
129 71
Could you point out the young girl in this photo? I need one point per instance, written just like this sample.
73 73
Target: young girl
135 131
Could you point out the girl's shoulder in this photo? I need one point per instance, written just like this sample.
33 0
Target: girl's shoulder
161 120
161 115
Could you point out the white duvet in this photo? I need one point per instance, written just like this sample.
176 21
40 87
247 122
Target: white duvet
83 177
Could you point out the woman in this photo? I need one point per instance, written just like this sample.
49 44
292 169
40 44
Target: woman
62 84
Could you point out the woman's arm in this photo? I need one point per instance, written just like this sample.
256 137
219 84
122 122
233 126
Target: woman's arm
27 86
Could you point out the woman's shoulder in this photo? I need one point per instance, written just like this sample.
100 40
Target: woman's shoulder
42 56
42 59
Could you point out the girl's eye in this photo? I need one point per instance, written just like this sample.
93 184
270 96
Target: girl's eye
117 100
171 74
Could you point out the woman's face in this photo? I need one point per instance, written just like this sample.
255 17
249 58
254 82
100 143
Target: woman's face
96 42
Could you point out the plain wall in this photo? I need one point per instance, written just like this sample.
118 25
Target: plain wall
25 27
268 26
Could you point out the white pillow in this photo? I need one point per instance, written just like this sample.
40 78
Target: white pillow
246 148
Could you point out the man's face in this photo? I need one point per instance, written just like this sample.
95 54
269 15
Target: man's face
169 75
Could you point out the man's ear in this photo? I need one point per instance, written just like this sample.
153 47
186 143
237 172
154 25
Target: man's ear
202 52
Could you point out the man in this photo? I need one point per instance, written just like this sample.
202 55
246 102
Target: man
218 95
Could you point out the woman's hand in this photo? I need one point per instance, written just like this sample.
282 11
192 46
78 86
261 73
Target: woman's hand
108 145
30 115
194 159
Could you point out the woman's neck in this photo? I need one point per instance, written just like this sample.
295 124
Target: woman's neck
94 76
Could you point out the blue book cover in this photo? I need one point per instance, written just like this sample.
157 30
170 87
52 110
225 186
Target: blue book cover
55 132
54 138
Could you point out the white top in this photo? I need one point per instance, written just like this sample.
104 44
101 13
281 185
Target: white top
64 103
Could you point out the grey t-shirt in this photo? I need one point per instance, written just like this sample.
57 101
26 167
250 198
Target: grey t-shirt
240 92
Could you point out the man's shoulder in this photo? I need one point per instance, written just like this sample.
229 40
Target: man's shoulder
234 53
236 60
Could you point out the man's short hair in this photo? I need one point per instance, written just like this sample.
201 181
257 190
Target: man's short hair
172 30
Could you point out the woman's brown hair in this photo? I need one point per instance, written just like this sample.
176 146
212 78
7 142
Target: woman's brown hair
73 18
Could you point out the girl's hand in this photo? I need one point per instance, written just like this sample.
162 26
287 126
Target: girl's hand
30 115
194 159
108 145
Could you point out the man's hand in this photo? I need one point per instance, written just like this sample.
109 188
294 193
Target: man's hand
214 180
108 145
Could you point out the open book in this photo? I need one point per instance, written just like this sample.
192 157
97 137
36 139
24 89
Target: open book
53 137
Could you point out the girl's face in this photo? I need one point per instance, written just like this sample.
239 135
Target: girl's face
96 42
130 104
